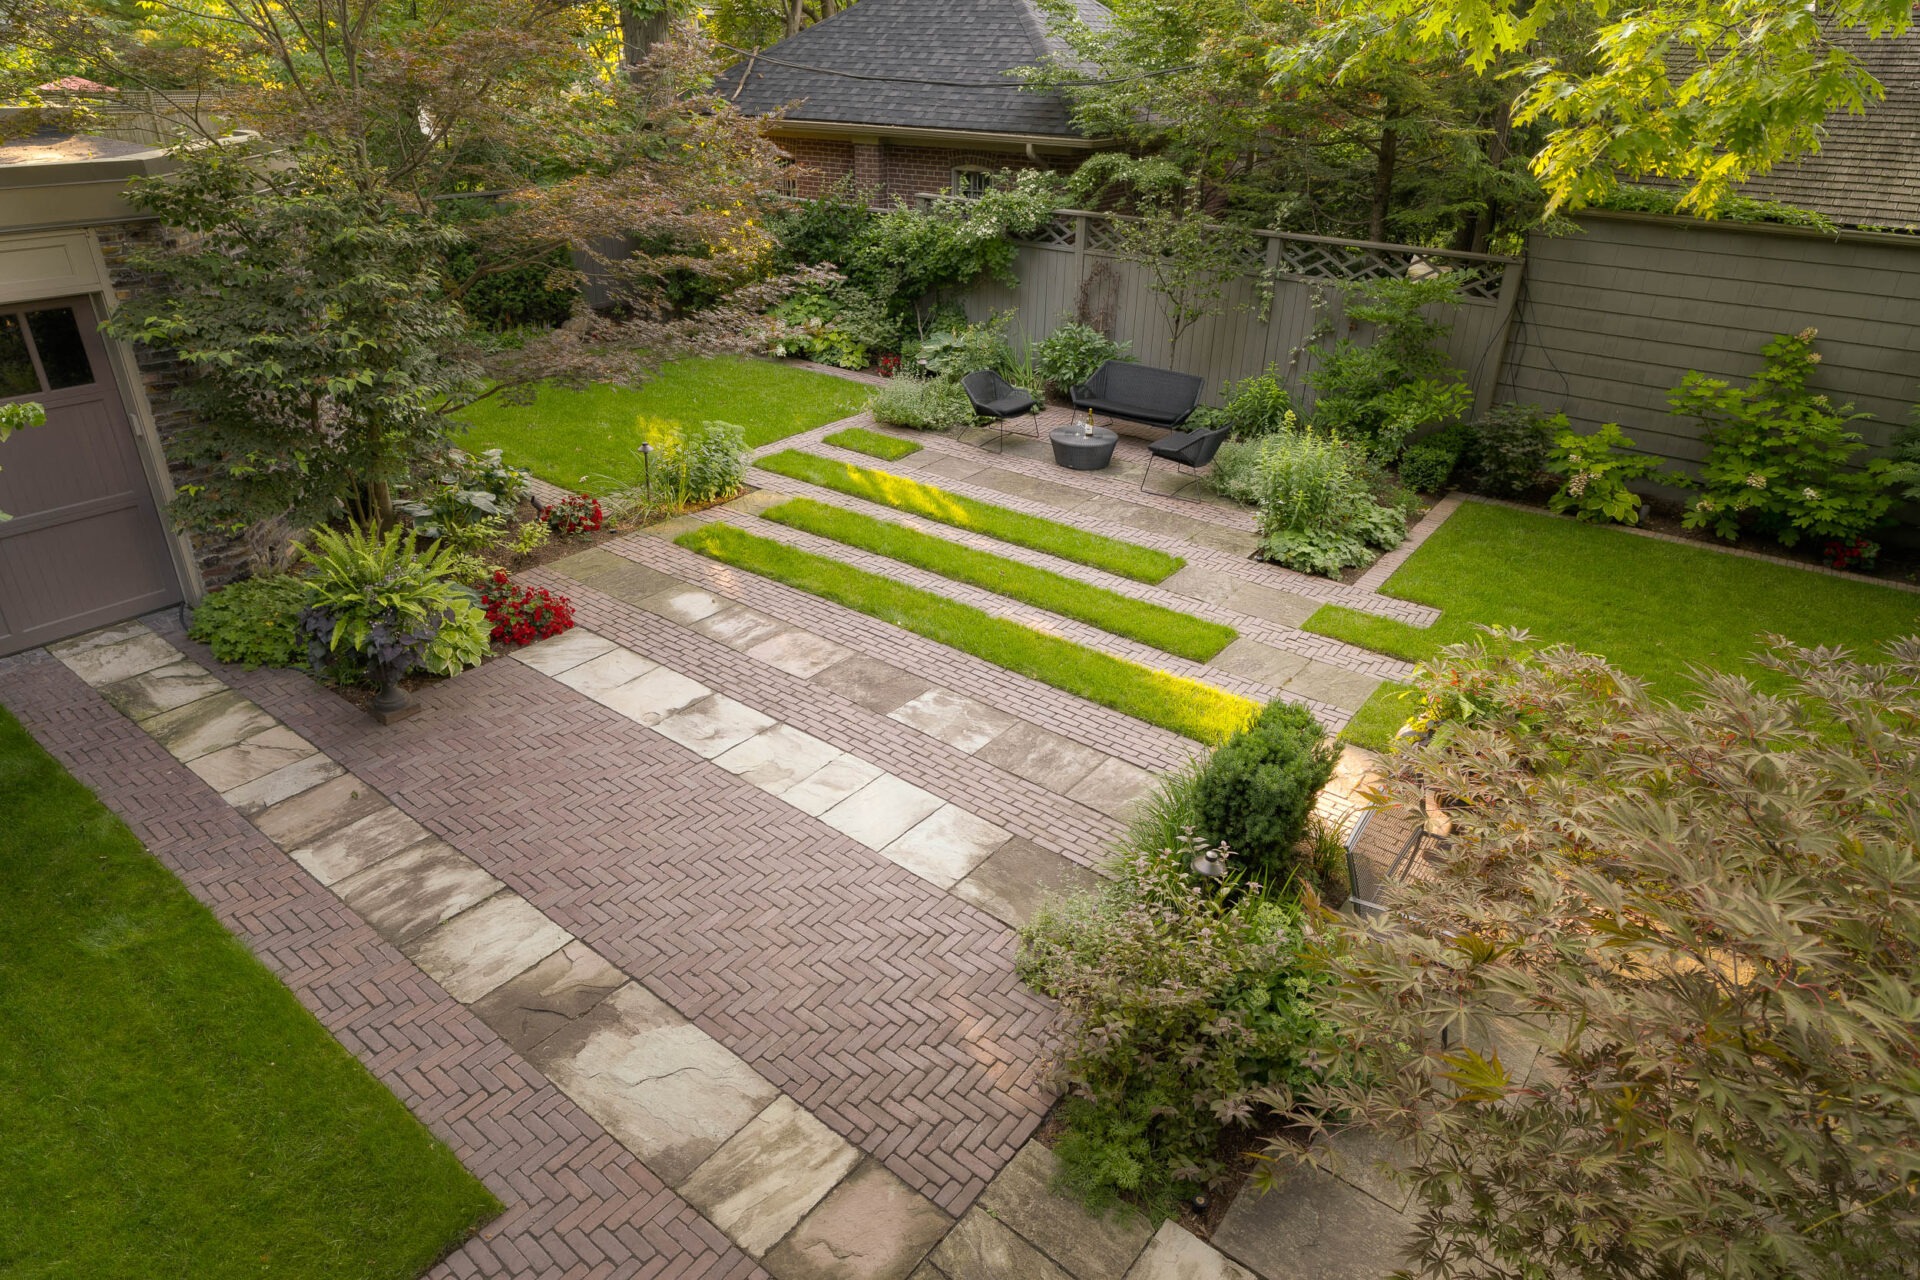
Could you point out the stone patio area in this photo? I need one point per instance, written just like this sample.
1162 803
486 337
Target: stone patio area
691 930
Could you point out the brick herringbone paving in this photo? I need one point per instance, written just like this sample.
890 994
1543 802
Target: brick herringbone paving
1095 726
1099 485
886 1007
578 1204
1022 807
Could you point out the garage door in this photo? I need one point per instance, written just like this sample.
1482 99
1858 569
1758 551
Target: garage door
86 545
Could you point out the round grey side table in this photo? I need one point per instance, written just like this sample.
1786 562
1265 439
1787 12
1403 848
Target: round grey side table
1077 450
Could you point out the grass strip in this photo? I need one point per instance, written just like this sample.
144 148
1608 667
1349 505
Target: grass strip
1379 717
1128 559
1163 628
873 444
1187 707
170 1108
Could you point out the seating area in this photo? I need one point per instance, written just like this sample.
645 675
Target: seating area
1140 393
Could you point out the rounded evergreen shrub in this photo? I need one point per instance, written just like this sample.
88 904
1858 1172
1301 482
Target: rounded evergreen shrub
1256 792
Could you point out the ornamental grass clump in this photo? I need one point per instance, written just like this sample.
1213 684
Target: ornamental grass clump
1655 1010
1180 998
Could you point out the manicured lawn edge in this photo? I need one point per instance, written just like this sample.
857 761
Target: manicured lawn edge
171 1108
1169 629
1379 717
1127 559
873 444
1188 707
1649 606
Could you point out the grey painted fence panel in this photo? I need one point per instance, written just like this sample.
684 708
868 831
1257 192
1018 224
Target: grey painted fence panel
1612 318
1244 336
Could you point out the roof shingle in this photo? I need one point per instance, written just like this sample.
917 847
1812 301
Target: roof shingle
881 48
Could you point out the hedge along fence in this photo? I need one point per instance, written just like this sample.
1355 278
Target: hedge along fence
1074 267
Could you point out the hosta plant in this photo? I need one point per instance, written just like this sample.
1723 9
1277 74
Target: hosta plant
1655 1009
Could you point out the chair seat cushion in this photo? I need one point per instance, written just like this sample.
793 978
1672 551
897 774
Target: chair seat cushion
1007 406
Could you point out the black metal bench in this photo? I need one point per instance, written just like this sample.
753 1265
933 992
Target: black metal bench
1140 393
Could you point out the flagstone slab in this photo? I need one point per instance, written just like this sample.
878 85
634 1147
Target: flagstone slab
882 811
1325 682
484 946
1260 601
669 1092
561 989
982 1248
1175 1253
739 627
208 725
249 761
870 1227
351 849
134 653
283 784
799 653
1012 884
778 758
654 696
1085 1245
946 845
563 652
614 574
104 636
415 890
1041 756
682 604
958 721
600 675
1259 662
304 817
875 685
832 783
713 725
1114 788
148 694
1309 1224
769 1175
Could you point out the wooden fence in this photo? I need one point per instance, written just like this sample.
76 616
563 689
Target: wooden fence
1279 311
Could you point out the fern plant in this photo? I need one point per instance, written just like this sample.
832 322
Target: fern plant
381 604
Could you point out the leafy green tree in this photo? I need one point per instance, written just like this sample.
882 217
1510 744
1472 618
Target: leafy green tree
1654 1011
1704 92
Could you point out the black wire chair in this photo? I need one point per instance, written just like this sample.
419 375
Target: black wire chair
996 399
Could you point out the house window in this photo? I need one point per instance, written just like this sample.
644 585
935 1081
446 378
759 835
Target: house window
789 186
970 184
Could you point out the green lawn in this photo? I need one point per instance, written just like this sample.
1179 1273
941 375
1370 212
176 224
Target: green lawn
1163 628
1127 559
1650 607
1188 707
586 439
169 1108
873 444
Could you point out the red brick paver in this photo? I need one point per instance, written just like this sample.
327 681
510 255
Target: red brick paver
884 1006
578 1204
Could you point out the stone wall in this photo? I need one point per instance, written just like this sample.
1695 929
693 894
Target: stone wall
220 559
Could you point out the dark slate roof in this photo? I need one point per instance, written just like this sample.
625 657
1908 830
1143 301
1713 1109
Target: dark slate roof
892 43
1867 171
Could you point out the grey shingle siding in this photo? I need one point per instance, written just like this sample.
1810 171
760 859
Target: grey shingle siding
975 42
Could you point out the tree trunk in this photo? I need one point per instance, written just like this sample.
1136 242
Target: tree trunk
1383 183
639 32
796 16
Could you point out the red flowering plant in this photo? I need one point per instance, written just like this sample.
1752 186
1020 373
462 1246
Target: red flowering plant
520 615
889 365
577 514
1852 553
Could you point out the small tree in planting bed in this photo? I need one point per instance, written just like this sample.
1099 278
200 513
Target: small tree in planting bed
1657 1013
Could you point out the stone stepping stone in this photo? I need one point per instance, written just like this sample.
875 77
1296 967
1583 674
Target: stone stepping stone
146 695
670 1092
1087 1246
882 811
563 652
768 1176
1020 875
560 990
268 752
870 1227
799 653
416 890
946 845
351 849
208 725
115 654
484 946
960 722
713 725
778 758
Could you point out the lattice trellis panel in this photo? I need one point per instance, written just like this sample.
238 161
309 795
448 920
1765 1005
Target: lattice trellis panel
1060 233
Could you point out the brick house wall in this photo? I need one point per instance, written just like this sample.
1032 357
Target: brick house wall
892 170
220 559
